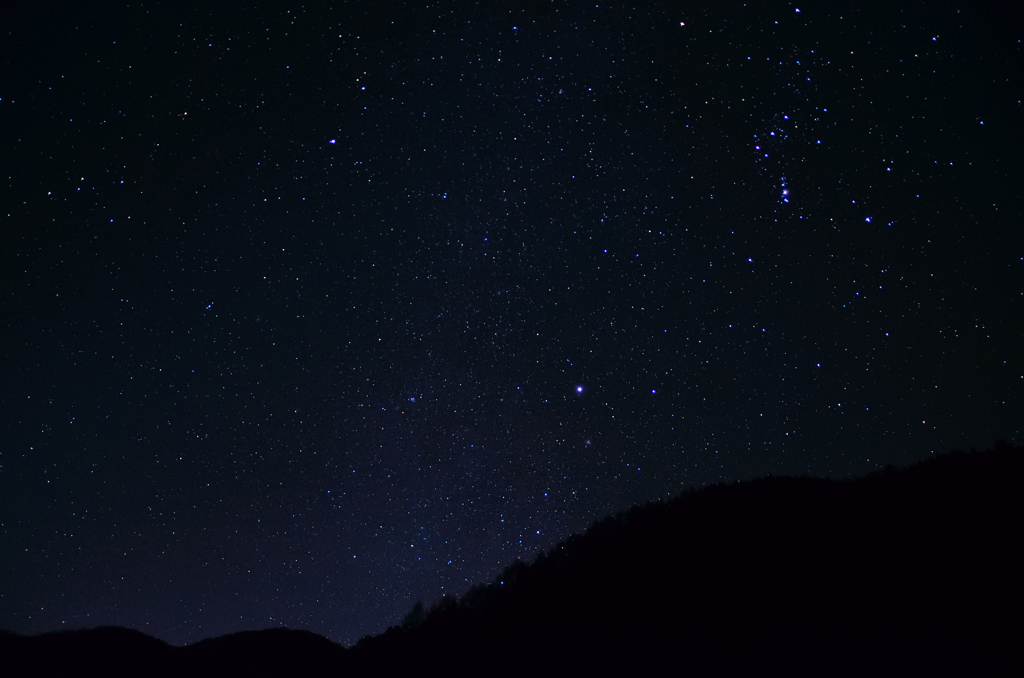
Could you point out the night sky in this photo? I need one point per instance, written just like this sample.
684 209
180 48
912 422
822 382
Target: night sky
310 313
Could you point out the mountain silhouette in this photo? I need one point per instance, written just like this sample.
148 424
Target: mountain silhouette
906 570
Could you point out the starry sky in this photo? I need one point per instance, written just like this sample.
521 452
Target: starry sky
311 312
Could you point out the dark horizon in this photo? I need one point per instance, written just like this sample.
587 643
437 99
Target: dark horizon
309 313
1002 456
907 567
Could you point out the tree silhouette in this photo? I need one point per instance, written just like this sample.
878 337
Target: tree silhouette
415 617
908 569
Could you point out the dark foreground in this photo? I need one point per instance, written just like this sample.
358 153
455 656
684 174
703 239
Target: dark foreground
905 571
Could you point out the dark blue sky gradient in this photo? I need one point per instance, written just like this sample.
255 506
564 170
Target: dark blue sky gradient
295 302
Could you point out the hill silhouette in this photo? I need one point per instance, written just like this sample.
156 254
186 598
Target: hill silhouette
905 570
